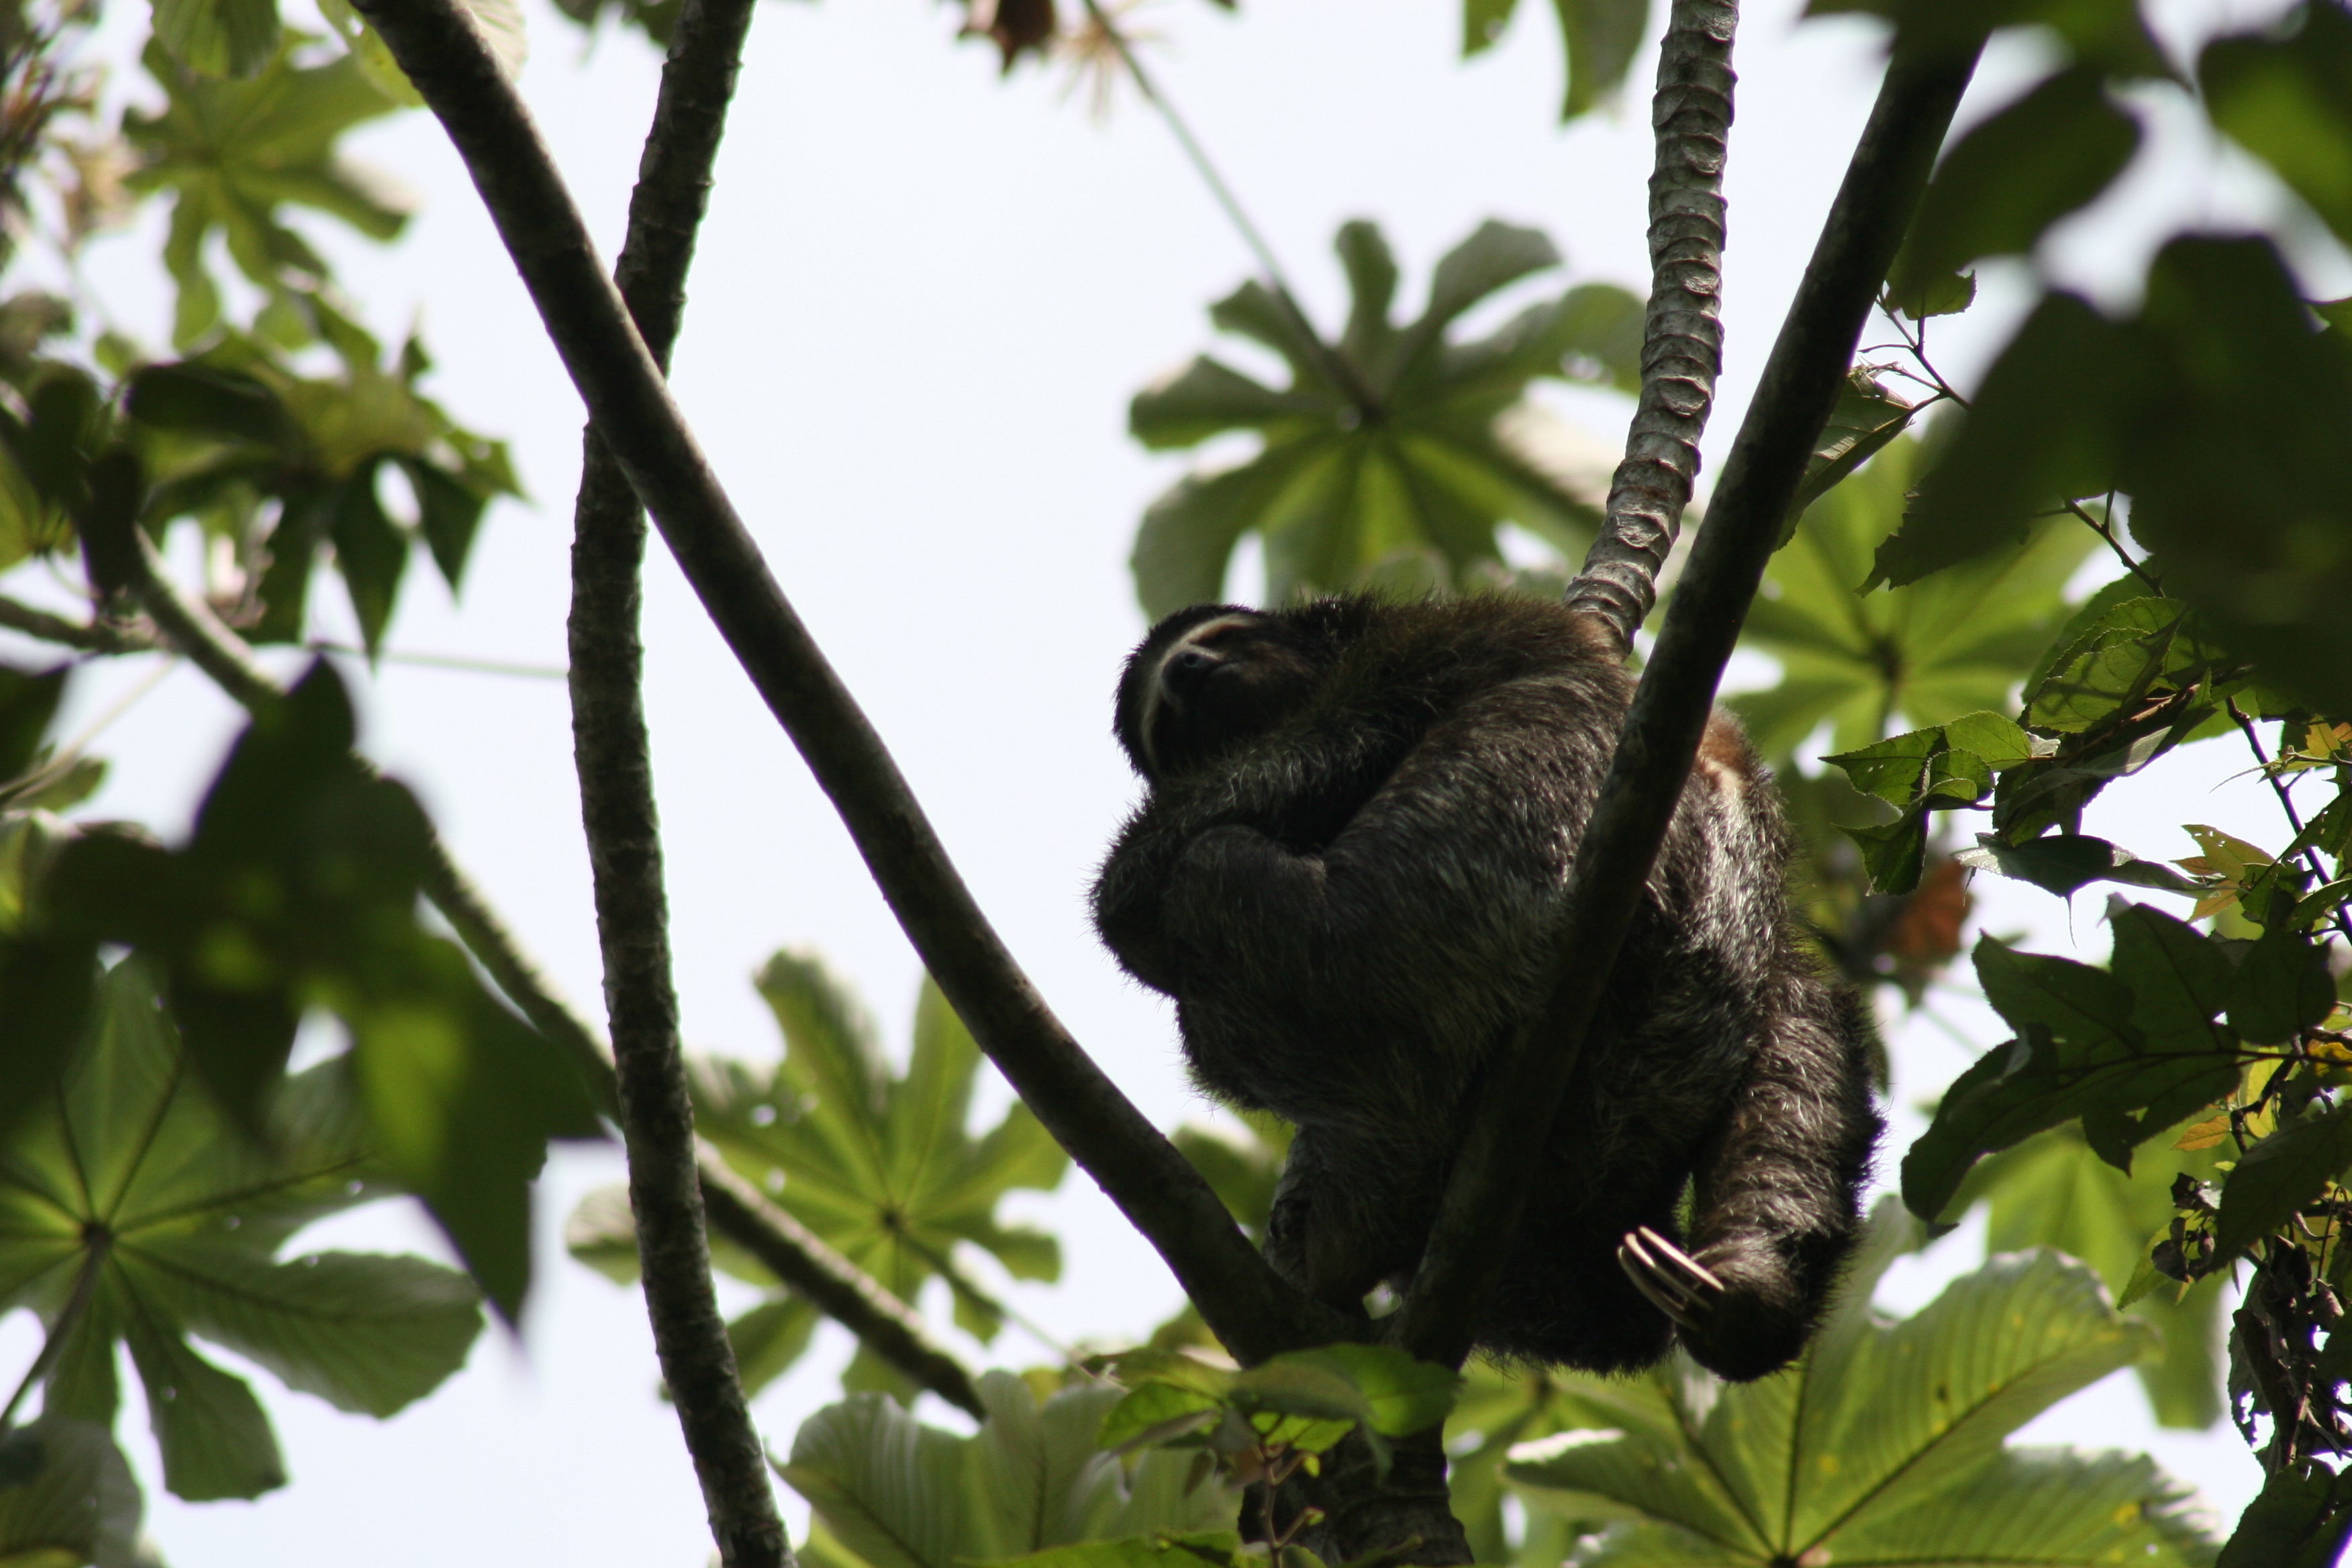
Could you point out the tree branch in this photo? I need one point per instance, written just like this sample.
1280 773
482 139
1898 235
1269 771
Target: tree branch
613 758
798 1257
1252 1309
91 637
1682 332
1661 734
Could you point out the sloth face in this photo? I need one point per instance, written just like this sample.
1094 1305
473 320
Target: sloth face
1206 679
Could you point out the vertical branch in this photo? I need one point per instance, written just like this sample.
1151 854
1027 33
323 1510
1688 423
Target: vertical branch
614 757
1682 332
1488 1188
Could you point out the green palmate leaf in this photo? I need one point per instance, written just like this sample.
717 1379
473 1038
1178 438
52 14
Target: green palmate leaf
1883 1444
2130 1051
1213 1547
882 1167
1927 654
226 434
1383 455
233 153
895 1494
218 37
2052 1190
2288 99
81 1505
2008 180
299 889
131 1210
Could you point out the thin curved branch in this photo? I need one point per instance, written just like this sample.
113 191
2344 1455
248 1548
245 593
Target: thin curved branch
91 637
1252 1309
613 756
839 1288
1682 332
1661 734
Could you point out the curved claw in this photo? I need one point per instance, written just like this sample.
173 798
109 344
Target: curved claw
1675 1283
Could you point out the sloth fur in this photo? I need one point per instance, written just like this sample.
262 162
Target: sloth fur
1347 871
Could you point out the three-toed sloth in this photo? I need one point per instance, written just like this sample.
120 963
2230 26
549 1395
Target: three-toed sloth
1348 873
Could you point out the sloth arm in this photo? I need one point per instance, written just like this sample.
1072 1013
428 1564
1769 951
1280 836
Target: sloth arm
1430 909
1268 788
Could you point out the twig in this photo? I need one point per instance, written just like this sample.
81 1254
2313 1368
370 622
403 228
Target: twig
1343 372
465 663
838 1286
91 637
1682 330
2107 531
1251 1308
1793 399
613 758
2286 803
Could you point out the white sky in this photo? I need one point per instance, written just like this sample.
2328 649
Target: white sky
924 298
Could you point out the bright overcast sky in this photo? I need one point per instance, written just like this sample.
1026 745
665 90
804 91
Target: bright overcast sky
924 298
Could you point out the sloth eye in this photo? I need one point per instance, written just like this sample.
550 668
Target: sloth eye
1191 661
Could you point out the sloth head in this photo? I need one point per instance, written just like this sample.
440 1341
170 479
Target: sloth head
1213 676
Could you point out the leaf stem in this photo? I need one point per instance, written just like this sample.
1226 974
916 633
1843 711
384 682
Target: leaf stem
2106 530
53 1344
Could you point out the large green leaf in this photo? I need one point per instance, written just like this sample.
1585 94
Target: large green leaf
1883 1444
79 1504
2129 1051
881 1168
2173 408
2052 1190
1955 643
226 434
2014 175
233 152
1384 447
133 1210
892 1493
2288 99
299 890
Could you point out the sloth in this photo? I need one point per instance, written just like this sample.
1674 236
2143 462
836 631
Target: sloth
1349 871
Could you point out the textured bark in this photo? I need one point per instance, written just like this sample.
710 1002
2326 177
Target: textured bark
612 755
1682 332
1661 734
1255 1311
